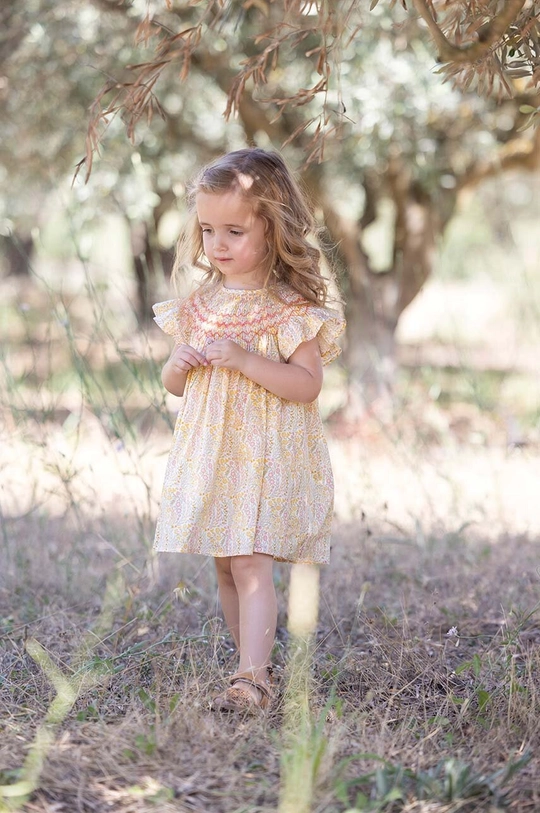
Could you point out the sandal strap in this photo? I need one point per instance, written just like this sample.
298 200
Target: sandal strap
247 677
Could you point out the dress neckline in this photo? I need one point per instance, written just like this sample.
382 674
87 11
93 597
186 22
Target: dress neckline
243 290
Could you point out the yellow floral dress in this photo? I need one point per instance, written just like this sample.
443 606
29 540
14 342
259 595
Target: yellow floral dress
248 471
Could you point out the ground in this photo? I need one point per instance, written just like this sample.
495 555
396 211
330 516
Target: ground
422 678
426 649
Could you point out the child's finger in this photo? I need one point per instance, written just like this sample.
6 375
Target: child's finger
202 359
189 354
196 353
211 353
182 366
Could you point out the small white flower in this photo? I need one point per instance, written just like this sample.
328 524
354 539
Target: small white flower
454 634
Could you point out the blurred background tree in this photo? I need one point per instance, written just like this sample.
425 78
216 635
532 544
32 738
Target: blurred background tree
349 94
419 182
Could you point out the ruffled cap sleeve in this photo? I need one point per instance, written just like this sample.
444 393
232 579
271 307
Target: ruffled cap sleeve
169 317
306 323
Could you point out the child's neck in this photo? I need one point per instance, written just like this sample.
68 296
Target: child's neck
242 284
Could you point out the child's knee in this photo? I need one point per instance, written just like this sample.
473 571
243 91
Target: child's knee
223 565
249 568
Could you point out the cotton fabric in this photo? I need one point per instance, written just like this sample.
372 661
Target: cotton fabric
248 471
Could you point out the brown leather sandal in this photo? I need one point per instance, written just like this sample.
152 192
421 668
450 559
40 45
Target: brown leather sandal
239 699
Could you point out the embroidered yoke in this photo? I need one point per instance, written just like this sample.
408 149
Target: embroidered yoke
248 471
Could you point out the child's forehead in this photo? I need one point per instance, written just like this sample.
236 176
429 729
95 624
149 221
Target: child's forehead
227 206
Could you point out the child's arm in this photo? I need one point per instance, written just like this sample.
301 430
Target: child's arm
299 379
182 359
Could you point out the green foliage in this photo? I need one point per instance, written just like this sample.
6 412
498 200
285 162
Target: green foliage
146 743
398 124
383 77
451 780
87 713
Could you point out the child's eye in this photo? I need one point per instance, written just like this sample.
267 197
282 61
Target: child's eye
236 233
206 231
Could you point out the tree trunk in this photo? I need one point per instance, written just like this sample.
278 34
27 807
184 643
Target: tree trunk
144 270
369 355
149 259
18 249
374 301
371 323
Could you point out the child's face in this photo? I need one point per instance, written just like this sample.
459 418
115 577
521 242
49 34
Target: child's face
233 237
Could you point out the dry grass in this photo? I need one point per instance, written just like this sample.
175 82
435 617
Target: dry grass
434 530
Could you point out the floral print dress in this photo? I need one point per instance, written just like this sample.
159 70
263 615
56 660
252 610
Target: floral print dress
248 471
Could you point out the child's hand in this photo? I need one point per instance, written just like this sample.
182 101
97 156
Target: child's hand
184 358
226 353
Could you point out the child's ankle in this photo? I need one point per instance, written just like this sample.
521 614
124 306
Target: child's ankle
259 674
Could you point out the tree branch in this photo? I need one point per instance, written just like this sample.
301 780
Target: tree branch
448 52
518 154
371 188
414 235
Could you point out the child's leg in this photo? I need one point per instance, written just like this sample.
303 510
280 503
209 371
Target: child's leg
228 596
254 582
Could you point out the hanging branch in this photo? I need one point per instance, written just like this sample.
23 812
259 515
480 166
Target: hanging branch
492 34
505 46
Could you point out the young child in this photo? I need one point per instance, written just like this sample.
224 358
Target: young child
249 479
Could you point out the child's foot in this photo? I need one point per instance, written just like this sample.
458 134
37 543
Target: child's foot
245 694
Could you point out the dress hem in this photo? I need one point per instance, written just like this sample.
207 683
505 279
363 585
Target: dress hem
228 555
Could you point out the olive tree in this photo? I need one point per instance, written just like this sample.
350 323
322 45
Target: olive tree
387 113
387 109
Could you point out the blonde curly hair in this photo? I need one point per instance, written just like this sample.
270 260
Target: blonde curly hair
265 181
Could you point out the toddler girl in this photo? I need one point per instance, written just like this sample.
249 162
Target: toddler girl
248 479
